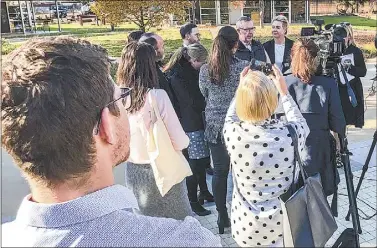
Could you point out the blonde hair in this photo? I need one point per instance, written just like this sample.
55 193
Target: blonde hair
283 20
349 30
256 97
194 51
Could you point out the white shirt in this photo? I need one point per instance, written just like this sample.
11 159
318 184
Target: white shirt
279 55
248 46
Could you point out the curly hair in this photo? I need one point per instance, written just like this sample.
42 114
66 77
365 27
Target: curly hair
51 94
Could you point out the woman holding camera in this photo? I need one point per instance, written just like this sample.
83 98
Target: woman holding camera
261 159
354 115
183 70
218 81
319 102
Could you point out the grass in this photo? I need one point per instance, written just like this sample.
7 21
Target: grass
77 29
356 21
114 41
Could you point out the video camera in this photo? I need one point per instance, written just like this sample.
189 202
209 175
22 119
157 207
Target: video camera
330 42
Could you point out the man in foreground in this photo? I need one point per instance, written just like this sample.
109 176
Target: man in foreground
65 125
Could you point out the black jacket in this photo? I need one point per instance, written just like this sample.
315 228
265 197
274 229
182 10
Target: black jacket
185 84
270 49
354 116
257 51
319 103
164 83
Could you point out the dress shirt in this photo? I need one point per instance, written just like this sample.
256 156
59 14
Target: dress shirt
99 219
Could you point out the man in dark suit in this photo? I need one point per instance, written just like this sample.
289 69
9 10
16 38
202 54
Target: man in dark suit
158 43
279 48
190 34
248 48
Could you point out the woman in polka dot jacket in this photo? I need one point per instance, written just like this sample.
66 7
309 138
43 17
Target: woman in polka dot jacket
262 157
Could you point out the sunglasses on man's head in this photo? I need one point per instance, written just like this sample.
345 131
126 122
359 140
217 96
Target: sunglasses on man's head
125 96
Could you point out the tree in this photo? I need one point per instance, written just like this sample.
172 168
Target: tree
344 5
242 3
145 14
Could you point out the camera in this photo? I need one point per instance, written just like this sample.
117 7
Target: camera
330 42
264 67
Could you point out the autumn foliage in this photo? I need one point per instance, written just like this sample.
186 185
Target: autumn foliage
145 14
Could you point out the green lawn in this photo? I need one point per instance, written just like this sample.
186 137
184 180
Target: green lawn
356 21
91 27
114 41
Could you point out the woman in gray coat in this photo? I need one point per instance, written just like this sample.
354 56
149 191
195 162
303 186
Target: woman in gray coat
218 81
319 102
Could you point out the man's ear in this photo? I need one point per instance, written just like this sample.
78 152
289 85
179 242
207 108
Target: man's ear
187 36
106 129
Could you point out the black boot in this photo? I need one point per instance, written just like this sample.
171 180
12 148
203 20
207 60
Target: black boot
198 209
205 195
223 221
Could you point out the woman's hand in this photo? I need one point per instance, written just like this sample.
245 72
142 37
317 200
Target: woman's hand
279 81
244 73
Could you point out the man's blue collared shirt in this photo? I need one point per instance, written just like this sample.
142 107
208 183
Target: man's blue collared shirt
103 218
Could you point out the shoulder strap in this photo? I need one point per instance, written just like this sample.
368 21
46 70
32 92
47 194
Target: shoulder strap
152 102
294 138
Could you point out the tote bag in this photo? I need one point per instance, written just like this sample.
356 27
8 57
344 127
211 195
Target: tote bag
307 217
169 166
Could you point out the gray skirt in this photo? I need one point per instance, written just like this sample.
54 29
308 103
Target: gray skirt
175 204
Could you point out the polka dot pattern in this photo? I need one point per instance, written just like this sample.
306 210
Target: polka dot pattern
262 170
198 147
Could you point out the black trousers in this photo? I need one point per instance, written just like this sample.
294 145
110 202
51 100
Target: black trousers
198 168
221 163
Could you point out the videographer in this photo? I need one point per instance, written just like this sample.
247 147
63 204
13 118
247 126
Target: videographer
353 115
319 102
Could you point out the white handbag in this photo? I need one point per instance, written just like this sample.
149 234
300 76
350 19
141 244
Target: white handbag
169 166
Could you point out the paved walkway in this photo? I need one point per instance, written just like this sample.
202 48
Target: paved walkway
367 197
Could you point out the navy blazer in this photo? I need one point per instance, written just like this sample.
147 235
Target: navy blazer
319 103
257 51
269 46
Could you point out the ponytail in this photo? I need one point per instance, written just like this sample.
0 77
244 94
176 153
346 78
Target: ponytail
175 58
219 60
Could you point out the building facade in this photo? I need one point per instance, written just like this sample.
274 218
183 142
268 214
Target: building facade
222 12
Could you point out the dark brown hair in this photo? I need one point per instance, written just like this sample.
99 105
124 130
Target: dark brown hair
221 54
304 59
134 35
137 70
52 92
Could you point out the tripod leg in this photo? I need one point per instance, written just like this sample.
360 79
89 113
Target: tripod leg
365 168
350 189
351 197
